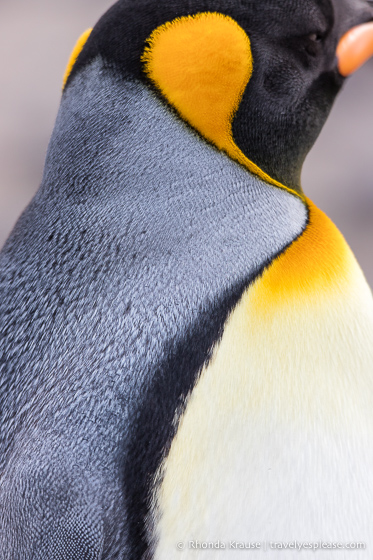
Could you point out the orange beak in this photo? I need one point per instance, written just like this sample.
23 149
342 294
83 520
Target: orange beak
355 48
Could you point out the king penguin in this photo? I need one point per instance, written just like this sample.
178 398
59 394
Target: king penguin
186 359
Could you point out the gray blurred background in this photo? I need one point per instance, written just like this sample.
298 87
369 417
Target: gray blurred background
36 39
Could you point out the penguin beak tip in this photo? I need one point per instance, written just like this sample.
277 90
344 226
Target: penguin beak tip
355 48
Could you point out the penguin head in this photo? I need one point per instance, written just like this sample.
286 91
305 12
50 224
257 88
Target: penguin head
256 78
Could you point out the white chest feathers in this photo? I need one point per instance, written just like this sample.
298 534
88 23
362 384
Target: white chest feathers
276 442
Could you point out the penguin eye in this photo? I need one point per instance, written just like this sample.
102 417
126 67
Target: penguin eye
313 43
316 37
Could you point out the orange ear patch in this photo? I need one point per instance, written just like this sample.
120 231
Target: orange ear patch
74 55
202 65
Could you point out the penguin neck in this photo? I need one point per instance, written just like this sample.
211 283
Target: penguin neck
272 169
278 170
110 126
288 181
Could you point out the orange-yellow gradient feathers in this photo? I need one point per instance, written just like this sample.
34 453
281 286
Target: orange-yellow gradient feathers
318 264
